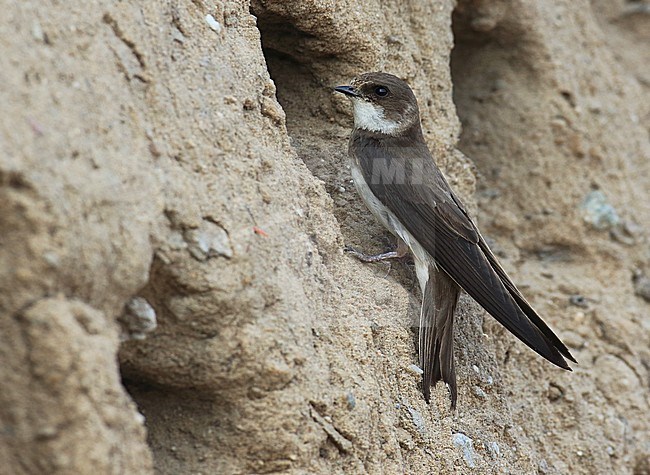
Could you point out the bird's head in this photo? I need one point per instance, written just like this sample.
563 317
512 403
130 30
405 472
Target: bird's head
383 103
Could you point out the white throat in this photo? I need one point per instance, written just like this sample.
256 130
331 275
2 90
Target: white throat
369 116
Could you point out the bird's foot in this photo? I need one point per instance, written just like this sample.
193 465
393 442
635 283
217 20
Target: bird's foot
401 251
371 257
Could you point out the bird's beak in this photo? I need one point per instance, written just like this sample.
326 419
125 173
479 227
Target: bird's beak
347 90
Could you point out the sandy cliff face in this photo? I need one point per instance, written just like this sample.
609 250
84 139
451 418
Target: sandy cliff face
192 154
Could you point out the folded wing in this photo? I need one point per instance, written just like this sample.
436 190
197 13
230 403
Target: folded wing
426 206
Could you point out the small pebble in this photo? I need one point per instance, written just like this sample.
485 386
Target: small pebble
494 449
579 317
139 318
271 109
209 240
598 212
478 392
47 432
212 23
465 443
37 32
542 467
351 400
417 419
555 392
51 258
415 369
139 418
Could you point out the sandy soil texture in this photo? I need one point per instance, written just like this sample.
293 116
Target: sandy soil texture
175 200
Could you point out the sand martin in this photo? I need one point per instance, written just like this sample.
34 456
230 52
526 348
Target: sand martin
395 174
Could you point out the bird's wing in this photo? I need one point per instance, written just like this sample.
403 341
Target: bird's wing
426 207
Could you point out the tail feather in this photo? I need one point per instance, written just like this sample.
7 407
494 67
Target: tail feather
436 339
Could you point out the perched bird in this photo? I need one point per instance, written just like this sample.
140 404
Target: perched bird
396 176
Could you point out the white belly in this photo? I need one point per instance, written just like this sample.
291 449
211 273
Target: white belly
390 222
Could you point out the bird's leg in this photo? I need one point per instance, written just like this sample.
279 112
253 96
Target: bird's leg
401 251
371 258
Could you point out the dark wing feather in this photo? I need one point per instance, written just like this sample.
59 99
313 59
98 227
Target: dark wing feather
523 303
514 291
426 207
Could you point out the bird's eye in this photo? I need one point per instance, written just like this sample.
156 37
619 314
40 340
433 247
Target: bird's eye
381 91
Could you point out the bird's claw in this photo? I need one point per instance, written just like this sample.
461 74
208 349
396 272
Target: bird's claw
371 258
